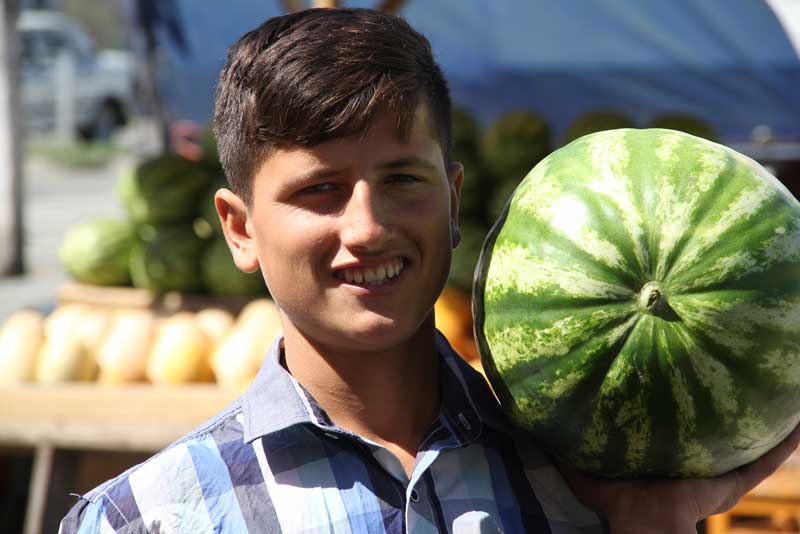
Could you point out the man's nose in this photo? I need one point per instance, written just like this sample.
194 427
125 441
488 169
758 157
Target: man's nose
365 222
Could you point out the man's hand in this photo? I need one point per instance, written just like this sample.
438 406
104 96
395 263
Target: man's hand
673 506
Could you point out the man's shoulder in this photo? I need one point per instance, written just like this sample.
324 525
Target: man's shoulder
185 482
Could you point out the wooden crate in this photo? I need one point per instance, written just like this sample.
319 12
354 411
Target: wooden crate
130 297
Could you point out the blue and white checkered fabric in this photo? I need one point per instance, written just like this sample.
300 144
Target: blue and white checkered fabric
273 462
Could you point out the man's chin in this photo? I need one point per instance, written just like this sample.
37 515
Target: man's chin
377 334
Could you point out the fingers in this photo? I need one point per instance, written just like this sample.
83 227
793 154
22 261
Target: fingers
752 474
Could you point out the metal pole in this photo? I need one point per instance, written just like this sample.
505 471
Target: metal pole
11 231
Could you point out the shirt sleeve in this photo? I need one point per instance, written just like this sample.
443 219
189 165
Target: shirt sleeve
88 517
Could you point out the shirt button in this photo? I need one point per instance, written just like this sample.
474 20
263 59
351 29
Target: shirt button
414 496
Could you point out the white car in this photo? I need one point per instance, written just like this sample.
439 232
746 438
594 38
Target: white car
104 90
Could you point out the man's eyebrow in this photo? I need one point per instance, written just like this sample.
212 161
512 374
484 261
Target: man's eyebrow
408 162
316 175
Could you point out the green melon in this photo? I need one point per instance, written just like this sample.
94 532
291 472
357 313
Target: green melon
466 254
512 145
163 189
208 210
637 306
466 150
169 259
97 252
222 277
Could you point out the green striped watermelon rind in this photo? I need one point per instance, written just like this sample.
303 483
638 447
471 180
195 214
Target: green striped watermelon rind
507 400
478 316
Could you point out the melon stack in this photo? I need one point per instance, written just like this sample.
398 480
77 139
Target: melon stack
84 343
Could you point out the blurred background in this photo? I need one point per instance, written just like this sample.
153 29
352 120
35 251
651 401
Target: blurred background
117 294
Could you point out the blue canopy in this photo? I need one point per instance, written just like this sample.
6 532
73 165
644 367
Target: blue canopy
729 63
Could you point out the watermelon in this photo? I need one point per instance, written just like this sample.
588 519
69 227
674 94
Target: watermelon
169 260
514 143
466 254
208 210
637 306
510 147
163 189
222 277
96 252
466 150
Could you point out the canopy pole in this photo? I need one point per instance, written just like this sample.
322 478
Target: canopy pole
11 230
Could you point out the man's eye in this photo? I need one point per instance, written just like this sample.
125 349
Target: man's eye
318 188
403 178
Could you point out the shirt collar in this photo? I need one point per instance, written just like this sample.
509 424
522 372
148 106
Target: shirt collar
275 400
467 403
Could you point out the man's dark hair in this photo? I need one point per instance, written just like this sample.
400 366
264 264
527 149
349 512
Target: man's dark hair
308 77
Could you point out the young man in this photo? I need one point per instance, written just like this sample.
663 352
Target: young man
334 131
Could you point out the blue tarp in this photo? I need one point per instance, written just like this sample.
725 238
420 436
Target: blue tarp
729 63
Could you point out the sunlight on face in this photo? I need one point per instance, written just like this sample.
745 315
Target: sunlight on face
354 235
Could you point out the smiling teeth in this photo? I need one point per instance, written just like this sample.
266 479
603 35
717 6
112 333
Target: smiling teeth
373 275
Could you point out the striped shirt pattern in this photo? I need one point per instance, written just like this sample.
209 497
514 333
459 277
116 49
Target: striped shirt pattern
273 462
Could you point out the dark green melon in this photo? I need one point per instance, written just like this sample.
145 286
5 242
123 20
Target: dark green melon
637 306
222 277
208 210
514 143
163 189
169 259
511 146
466 254
475 188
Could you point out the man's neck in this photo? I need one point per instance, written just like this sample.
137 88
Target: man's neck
390 397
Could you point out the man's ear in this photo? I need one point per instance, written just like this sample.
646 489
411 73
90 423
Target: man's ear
455 177
236 226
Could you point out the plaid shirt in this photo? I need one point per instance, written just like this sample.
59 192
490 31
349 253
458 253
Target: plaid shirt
273 462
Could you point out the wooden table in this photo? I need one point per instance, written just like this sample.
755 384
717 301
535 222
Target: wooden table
58 421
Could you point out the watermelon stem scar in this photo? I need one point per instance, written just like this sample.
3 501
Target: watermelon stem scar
653 301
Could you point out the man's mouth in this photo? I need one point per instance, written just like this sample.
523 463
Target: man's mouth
374 275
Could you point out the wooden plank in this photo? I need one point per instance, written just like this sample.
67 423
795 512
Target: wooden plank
88 435
108 297
131 401
131 297
136 417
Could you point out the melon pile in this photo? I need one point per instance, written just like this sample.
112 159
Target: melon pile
78 342
637 305
171 238
90 343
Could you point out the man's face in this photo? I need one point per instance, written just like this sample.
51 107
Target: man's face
354 236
